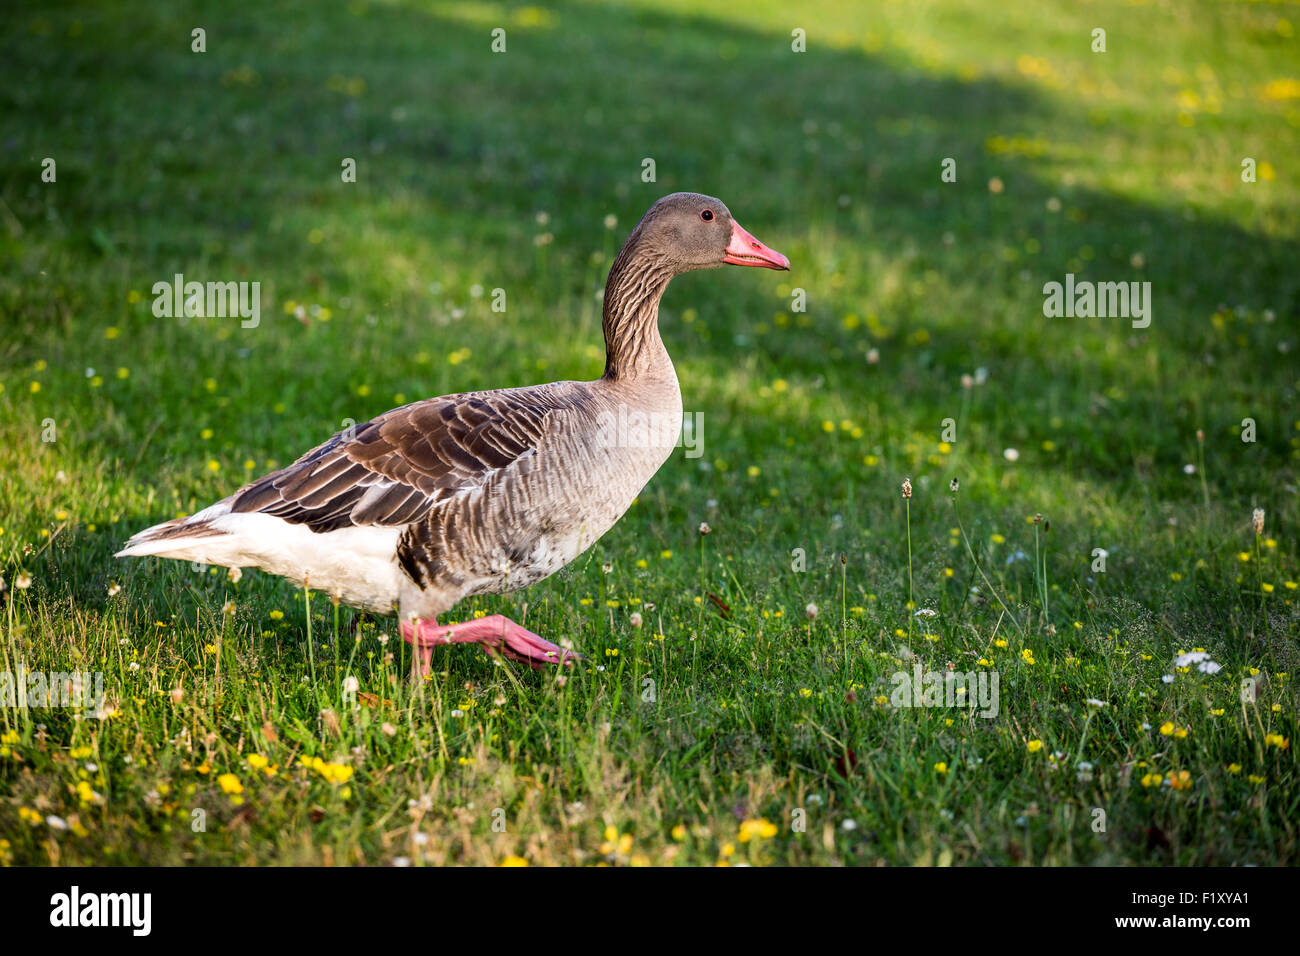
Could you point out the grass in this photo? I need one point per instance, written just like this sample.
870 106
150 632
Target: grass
234 733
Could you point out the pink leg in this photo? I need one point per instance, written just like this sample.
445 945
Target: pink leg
494 632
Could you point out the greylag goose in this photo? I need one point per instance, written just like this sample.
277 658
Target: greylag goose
480 492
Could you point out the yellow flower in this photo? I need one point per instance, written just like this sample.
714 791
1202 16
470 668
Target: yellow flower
1167 728
1234 768
665 554
805 692
941 767
514 861
679 833
1181 780
1034 746
257 761
1276 740
277 615
1152 780
997 538
1281 89
230 783
756 829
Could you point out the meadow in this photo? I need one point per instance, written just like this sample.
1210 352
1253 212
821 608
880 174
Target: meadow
734 701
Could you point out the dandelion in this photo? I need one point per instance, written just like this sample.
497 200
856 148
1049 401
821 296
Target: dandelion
810 612
23 581
756 830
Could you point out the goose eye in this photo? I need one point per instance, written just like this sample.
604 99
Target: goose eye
707 215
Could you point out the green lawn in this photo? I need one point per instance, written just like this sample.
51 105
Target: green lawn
731 726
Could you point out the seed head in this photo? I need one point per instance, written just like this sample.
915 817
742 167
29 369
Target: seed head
1257 520
907 487
952 486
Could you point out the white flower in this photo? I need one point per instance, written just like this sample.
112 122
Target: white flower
1187 660
848 825
1168 678
1094 702
56 823
351 685
133 666
458 713
235 574
1189 469
635 619
811 611
23 581
1209 667
114 590
1011 454
401 861
926 612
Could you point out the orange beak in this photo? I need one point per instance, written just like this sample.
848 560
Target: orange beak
745 250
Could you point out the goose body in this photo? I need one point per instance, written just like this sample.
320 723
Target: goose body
479 492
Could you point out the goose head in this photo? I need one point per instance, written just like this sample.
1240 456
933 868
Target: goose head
688 231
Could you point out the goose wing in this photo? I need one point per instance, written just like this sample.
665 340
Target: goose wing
395 468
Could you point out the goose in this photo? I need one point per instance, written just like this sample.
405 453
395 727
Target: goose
480 492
